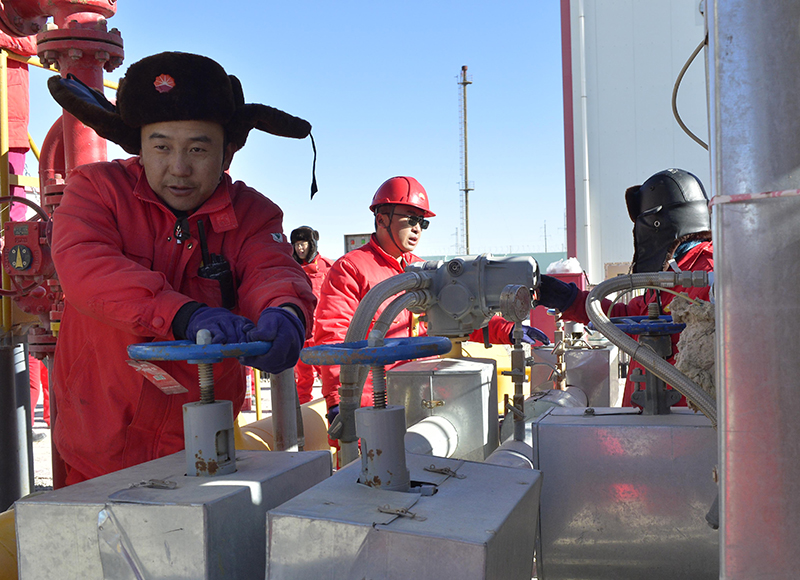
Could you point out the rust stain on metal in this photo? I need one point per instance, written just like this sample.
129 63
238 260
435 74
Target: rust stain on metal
203 466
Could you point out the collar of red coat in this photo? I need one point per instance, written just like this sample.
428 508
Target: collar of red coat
703 249
218 207
408 257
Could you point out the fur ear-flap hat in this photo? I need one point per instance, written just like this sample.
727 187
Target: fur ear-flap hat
305 234
173 86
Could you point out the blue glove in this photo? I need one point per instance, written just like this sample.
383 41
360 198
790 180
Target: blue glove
530 335
554 293
332 412
286 333
225 326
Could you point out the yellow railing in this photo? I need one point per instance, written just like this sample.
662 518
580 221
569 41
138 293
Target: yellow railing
5 208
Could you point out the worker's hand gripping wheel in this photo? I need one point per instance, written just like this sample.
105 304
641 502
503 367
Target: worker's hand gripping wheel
381 427
207 424
655 333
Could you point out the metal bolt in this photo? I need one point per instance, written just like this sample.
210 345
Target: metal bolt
35 26
101 55
49 57
75 53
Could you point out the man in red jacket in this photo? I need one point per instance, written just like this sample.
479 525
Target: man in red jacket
160 246
304 243
401 211
671 231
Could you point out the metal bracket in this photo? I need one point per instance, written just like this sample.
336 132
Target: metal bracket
155 484
402 512
432 403
444 471
516 412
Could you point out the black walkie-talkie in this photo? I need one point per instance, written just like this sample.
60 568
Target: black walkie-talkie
216 267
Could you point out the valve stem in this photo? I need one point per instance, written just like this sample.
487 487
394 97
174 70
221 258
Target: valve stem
205 371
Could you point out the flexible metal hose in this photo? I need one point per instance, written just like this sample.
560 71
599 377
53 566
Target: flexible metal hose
649 359
352 377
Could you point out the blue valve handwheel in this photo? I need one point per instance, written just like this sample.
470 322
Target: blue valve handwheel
195 353
646 325
359 353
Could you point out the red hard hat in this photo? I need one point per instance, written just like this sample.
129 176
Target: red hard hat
405 191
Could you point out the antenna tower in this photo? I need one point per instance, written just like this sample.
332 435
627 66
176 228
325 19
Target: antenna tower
466 184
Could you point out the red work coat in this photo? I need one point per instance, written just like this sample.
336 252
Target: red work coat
700 258
348 281
316 270
125 277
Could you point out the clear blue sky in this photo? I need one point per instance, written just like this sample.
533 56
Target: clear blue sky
378 83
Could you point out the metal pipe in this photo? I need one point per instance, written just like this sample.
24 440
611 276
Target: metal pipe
407 300
10 488
755 156
650 360
284 413
587 185
257 393
350 376
24 415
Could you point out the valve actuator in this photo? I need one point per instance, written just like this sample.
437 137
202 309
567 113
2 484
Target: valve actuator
467 291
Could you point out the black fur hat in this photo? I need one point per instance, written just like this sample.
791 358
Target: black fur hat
305 234
172 86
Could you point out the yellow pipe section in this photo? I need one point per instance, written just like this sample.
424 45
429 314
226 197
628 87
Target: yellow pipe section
260 435
34 61
8 546
34 147
5 208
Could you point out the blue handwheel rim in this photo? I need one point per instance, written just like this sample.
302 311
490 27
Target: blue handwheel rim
190 351
359 353
642 325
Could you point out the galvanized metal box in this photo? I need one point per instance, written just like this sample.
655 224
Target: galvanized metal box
480 524
594 370
206 527
625 495
463 391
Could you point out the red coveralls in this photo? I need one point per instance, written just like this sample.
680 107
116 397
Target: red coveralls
698 259
348 281
125 277
316 270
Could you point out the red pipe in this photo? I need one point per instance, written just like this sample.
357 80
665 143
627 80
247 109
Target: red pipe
81 45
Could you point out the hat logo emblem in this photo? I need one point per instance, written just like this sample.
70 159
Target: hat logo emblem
164 83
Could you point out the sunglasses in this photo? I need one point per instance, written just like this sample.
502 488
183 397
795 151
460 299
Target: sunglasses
413 220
